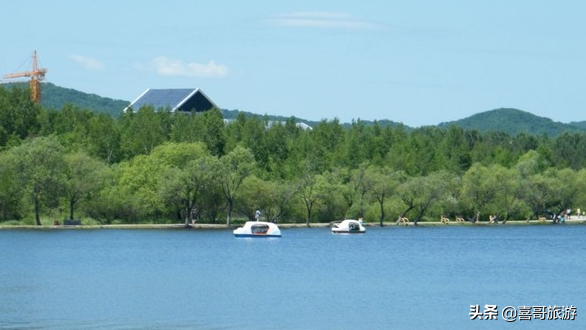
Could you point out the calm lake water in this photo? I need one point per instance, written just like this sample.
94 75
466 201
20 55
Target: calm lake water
389 278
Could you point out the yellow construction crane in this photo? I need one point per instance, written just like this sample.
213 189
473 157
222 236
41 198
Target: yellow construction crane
36 74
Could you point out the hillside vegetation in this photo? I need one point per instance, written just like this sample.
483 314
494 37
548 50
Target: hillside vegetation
510 121
513 122
579 124
55 97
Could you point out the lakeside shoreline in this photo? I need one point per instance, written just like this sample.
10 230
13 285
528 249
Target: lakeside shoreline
204 226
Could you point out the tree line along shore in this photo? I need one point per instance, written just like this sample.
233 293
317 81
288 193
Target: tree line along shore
155 167
218 226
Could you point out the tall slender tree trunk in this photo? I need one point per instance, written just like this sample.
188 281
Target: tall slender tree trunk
411 207
71 206
37 207
308 207
230 207
188 213
382 211
419 215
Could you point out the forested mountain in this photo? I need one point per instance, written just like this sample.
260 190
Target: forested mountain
510 121
579 124
55 97
513 122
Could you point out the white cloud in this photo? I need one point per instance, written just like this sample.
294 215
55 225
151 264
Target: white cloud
322 20
171 67
88 62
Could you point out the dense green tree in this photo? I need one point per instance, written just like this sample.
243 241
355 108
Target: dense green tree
195 171
453 151
142 131
187 127
40 171
359 144
579 201
234 168
423 151
213 208
508 197
354 190
254 138
536 192
532 186
328 138
568 151
19 115
235 131
529 164
281 194
315 149
524 143
178 154
479 188
214 132
380 143
85 176
103 140
10 189
255 194
565 189
117 202
420 193
400 156
381 183
184 186
140 179
279 143
70 125
307 192
330 201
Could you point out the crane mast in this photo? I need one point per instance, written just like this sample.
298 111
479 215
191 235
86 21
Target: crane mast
36 74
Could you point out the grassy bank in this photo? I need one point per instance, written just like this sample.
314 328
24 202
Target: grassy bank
16 225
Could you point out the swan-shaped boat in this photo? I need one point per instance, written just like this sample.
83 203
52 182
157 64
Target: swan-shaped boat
258 229
348 226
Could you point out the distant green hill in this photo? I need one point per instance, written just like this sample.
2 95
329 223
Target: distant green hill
513 122
579 124
55 97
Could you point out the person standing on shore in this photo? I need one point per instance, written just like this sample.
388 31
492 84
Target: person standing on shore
257 215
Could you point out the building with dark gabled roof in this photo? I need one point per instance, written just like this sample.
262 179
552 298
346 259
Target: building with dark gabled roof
174 99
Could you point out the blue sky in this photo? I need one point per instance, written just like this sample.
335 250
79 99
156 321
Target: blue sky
410 61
